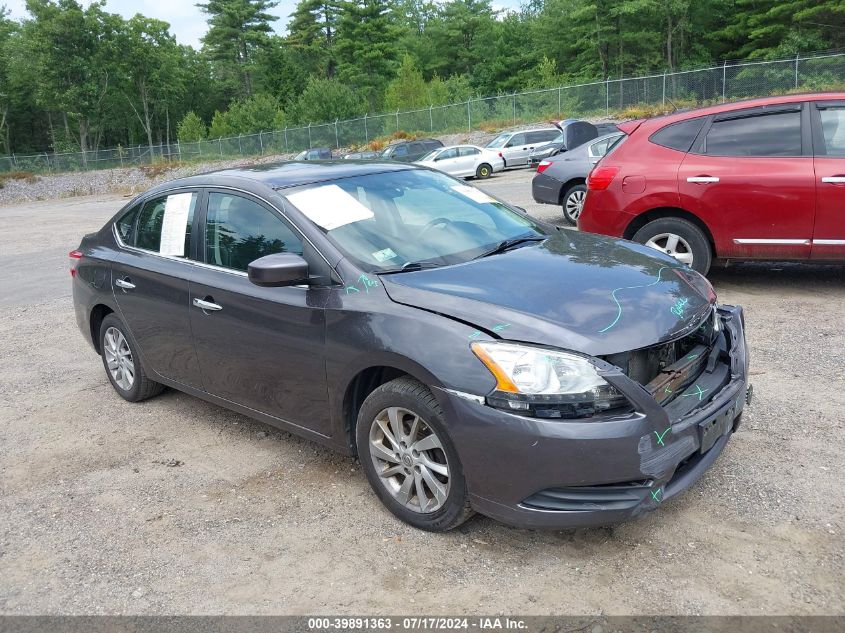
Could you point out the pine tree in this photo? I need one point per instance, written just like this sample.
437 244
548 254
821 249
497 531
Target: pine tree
235 29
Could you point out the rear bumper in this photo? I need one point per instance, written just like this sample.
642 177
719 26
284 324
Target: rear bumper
599 217
536 473
545 189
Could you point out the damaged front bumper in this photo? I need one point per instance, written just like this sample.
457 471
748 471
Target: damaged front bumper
539 473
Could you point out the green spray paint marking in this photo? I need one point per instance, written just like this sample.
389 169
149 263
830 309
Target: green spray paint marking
700 393
692 356
619 305
366 284
678 308
657 494
666 390
501 326
660 436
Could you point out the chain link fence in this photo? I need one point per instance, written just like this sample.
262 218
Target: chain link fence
596 99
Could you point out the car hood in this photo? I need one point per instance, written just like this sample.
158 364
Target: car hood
574 291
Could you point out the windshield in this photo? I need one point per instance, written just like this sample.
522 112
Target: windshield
386 220
430 155
301 155
499 141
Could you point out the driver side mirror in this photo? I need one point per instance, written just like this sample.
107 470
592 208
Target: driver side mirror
277 270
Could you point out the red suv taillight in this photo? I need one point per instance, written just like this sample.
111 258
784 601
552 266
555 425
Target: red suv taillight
601 177
543 166
75 256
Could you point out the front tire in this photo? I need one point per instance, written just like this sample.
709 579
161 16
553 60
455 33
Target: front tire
573 203
409 458
122 363
680 239
484 171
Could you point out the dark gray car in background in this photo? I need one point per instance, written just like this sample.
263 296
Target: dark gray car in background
473 358
562 179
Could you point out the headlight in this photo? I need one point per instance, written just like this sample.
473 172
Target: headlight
545 383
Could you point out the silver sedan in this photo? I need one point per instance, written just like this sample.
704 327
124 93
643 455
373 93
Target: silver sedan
464 161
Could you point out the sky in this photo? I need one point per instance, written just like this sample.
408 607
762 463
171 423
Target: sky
187 22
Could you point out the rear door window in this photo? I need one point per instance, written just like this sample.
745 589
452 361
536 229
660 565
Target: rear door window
164 224
468 151
769 134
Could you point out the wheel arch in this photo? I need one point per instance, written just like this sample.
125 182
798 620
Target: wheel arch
566 186
362 384
669 212
99 312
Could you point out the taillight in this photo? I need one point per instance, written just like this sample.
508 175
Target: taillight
543 166
601 177
75 256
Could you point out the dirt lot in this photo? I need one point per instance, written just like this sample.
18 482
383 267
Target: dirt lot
96 518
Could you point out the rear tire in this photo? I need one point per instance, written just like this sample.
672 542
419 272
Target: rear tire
409 458
680 239
123 364
484 171
573 203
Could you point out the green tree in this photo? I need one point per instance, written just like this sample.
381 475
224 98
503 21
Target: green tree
366 47
150 65
311 32
236 28
191 128
76 61
327 100
408 89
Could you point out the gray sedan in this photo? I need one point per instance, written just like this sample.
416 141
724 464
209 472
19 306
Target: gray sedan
562 179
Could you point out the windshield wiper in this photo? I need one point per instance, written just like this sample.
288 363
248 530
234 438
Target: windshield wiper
505 245
407 267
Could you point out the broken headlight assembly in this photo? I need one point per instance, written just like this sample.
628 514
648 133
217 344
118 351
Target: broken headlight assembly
545 383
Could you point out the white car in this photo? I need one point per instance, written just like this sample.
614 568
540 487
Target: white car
464 161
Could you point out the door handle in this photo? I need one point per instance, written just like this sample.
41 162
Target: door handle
207 305
836 180
124 283
702 179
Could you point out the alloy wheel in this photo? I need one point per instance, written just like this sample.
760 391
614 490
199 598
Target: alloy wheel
575 203
673 245
119 358
409 460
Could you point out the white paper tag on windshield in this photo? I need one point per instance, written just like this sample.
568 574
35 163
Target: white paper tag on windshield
175 224
329 206
383 255
473 194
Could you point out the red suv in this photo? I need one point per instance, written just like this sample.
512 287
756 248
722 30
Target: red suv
760 179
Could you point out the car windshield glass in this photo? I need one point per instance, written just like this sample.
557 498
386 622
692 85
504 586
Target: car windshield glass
430 155
384 221
499 141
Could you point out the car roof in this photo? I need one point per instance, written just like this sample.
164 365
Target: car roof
286 174
413 140
746 103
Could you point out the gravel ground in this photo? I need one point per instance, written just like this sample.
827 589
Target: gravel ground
176 506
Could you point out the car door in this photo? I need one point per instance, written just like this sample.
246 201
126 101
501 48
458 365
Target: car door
828 122
448 161
468 160
261 348
515 151
749 177
150 277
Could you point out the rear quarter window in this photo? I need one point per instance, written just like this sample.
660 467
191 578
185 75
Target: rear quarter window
679 136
